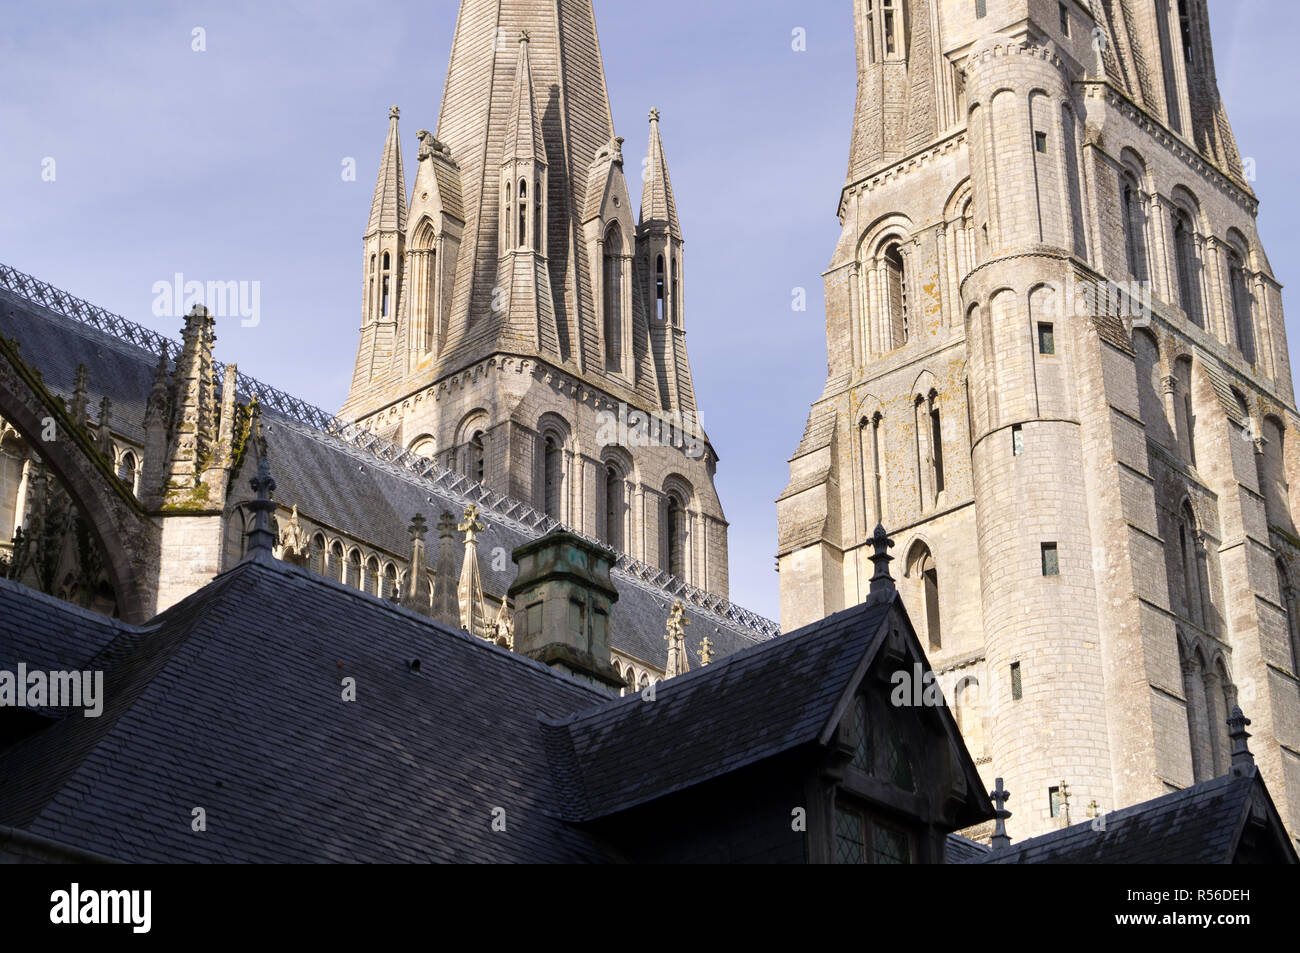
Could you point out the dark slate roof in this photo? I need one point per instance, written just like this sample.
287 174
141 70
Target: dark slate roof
334 483
49 634
711 721
231 701
1197 825
963 850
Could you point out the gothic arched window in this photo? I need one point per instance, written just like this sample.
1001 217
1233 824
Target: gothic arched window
126 469
675 535
1240 302
1187 267
896 294
383 310
477 457
537 215
677 287
523 213
922 567
659 288
553 467
614 503
936 444
509 217
873 477
336 562
613 277
1134 242
1193 567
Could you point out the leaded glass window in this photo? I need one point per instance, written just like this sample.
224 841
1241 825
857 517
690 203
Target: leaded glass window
850 837
889 846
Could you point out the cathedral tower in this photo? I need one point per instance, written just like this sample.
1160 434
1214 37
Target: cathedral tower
533 332
1059 377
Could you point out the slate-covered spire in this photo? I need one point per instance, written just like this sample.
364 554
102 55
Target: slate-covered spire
524 130
658 207
388 209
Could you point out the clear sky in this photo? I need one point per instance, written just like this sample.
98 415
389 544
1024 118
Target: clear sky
225 165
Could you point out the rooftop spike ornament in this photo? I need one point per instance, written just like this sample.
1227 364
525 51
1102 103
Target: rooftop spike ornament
882 583
1000 795
1242 760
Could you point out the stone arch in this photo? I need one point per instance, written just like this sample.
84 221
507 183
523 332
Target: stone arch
128 539
613 505
968 709
920 565
872 455
425 445
471 444
675 526
553 441
1152 382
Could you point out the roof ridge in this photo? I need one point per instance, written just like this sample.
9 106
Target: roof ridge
284 568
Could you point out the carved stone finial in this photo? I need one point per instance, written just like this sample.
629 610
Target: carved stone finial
1000 795
1242 760
393 112
523 36
472 525
706 651
882 583
654 114
261 539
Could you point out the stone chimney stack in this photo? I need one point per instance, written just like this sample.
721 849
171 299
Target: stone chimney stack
562 597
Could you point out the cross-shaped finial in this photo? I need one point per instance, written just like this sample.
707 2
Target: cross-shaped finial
446 524
472 525
393 112
523 36
1000 796
654 114
419 526
706 651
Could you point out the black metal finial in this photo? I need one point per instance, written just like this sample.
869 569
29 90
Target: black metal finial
882 583
1242 759
1001 840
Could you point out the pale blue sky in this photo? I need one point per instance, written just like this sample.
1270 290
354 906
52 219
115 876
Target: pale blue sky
224 165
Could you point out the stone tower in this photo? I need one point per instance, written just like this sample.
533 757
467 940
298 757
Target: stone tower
1058 375
518 324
